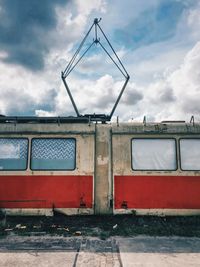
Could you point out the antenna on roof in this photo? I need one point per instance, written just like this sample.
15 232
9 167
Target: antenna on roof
192 120
75 61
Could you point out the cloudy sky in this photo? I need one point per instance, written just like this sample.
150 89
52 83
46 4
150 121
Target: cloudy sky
158 41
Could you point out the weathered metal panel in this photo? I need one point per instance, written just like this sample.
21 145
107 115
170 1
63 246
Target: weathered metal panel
46 191
157 192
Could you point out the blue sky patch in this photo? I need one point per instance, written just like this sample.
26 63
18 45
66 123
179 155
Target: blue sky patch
153 25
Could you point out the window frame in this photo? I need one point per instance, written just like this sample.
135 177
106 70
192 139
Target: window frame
47 138
155 138
27 153
186 138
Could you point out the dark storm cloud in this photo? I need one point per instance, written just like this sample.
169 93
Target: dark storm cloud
132 97
105 100
190 104
22 101
24 28
167 95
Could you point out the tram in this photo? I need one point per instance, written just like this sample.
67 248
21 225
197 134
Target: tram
78 167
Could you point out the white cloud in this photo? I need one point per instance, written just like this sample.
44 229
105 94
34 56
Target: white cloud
186 82
25 92
193 21
165 77
87 6
95 96
44 113
176 95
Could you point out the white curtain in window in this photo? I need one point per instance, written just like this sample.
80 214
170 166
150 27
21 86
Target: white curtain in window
190 154
153 154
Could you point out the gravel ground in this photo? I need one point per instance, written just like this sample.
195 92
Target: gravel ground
102 226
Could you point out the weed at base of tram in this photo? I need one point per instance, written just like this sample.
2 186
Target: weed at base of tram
102 226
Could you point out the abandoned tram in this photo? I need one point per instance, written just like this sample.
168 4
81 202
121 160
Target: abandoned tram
88 165
49 164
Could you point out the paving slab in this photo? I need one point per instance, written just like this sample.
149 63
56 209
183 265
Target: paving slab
95 253
159 251
50 251
39 259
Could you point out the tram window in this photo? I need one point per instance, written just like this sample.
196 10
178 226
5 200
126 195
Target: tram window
53 154
190 154
13 153
154 154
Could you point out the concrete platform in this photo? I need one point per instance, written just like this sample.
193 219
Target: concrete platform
159 251
141 251
39 259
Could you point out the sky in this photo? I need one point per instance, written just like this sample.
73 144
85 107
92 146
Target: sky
158 42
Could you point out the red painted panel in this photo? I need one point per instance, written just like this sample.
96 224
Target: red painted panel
151 192
46 191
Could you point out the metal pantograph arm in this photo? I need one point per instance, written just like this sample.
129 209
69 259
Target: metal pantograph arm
77 58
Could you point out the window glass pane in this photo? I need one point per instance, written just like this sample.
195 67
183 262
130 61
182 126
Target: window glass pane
153 154
13 153
53 154
190 154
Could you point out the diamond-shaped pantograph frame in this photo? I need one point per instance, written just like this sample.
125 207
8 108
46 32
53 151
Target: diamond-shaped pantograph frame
74 62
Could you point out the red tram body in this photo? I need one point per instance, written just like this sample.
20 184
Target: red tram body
93 168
